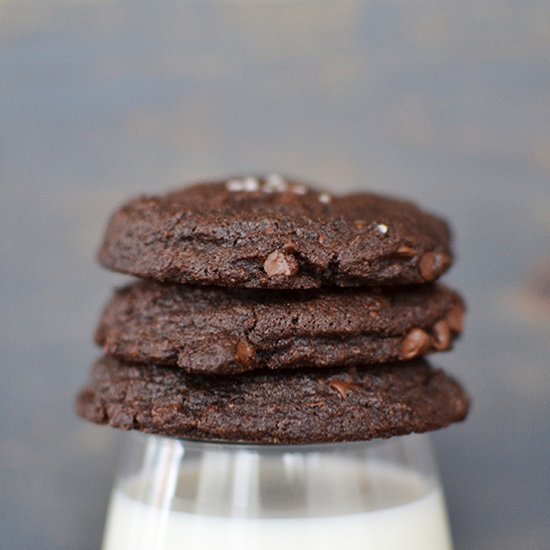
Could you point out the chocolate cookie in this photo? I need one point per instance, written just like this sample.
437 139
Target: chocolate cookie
214 330
272 233
299 406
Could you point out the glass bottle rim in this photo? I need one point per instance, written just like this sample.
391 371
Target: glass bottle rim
275 448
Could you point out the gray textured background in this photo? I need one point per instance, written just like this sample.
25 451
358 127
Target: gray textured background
446 102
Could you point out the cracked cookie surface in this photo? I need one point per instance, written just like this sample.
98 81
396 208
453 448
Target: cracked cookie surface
295 407
218 331
270 232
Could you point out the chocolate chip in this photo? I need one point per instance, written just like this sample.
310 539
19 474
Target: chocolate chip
279 263
406 251
455 319
245 354
416 343
343 388
441 339
432 264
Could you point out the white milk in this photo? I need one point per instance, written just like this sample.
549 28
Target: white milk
404 512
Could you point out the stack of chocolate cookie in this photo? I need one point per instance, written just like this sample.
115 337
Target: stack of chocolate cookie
270 312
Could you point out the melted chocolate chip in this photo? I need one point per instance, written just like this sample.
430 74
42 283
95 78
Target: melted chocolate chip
441 339
455 318
416 343
342 387
432 265
406 251
245 354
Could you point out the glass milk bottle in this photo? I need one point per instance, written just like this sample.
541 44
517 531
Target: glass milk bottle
173 494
